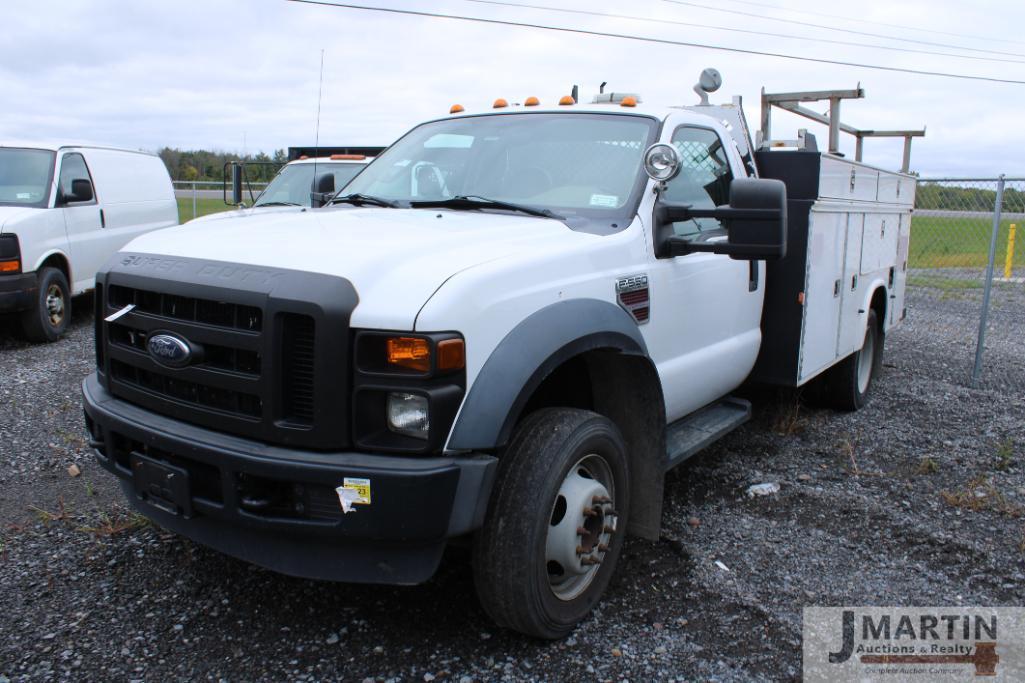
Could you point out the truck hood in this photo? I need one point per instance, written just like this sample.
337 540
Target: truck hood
8 214
395 258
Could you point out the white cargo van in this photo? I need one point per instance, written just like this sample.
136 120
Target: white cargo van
64 210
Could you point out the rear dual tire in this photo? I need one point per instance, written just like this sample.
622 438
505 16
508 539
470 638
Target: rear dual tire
847 385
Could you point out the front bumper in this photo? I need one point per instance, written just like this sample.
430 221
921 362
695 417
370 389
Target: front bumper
296 526
18 292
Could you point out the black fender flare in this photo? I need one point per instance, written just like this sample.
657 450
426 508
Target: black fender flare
529 353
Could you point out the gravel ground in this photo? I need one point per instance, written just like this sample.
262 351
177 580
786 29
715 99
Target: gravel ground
917 499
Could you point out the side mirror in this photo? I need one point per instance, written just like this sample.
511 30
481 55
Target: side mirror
236 184
754 223
324 188
81 191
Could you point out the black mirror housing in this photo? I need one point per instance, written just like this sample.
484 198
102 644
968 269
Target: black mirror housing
81 191
754 223
326 183
762 235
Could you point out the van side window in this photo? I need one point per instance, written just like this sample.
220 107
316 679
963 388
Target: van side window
704 177
73 168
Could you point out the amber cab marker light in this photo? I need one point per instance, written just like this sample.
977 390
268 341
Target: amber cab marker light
628 102
348 157
566 100
456 108
10 266
409 352
531 102
500 104
451 354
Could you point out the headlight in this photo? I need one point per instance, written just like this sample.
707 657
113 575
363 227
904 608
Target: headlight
408 414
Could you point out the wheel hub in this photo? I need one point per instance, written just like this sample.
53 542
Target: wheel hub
54 305
582 524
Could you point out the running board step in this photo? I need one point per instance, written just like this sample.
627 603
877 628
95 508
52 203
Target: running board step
687 436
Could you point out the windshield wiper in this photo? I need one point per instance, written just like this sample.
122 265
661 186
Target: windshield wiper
276 204
359 199
464 201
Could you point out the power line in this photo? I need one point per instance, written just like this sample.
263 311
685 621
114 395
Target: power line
877 23
660 41
608 15
842 30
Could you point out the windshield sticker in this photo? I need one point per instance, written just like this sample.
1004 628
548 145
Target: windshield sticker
24 195
607 200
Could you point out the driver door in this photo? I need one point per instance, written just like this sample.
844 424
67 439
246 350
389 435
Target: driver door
706 308
83 221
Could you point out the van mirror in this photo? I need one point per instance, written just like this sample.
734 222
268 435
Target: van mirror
81 191
236 184
754 223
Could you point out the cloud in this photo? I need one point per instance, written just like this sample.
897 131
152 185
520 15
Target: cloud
219 74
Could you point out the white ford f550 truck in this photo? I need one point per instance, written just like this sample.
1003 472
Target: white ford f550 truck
508 330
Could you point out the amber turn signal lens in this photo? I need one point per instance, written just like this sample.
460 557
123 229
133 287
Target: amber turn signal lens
348 157
500 103
566 100
531 102
10 266
456 108
451 354
628 101
410 352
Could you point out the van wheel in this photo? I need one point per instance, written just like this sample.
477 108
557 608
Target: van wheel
846 386
52 313
555 523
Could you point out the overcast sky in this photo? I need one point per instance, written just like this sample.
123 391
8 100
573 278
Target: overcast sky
234 75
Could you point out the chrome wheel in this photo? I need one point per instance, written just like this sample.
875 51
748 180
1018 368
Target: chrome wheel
55 304
582 522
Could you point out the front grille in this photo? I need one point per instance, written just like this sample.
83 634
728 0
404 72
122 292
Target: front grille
256 368
199 395
204 311
298 335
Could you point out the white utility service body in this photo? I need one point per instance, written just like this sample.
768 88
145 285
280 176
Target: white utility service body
48 227
509 331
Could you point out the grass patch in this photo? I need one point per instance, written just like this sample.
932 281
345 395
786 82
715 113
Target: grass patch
927 465
204 206
981 494
945 284
960 242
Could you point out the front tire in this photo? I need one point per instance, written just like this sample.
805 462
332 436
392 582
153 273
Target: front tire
556 522
49 318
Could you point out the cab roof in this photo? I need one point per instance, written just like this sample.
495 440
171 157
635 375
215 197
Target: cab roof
58 145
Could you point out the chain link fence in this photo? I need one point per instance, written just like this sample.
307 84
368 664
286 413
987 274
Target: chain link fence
966 278
200 197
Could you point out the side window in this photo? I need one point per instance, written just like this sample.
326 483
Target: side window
704 177
73 168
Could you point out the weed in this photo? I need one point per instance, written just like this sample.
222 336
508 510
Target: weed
981 494
62 515
927 465
1005 454
787 419
89 490
112 525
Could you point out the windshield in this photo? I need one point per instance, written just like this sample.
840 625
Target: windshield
294 183
25 176
576 165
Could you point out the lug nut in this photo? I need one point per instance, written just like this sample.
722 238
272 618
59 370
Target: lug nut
603 548
608 530
581 551
590 512
589 560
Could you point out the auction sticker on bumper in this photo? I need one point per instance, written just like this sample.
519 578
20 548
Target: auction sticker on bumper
353 491
913 644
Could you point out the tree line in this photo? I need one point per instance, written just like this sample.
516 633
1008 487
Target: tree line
201 164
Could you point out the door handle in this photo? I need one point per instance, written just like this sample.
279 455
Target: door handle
103 219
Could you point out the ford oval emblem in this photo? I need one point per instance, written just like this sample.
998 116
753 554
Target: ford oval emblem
169 349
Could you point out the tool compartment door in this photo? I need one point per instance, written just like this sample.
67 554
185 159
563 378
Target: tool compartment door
823 285
852 319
